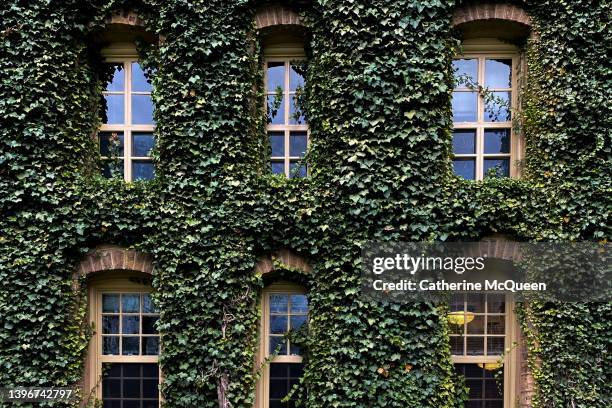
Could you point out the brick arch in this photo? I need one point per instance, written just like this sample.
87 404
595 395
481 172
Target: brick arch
499 246
284 257
112 257
482 12
275 16
125 17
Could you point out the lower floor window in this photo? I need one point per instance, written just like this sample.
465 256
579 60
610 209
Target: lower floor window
283 376
130 385
485 382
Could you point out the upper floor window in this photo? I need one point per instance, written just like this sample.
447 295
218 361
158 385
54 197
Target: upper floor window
124 350
284 309
482 330
126 136
484 141
286 125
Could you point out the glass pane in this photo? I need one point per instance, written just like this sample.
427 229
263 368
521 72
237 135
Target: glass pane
150 346
497 167
130 345
296 111
279 303
143 170
498 73
139 80
297 321
465 168
299 304
464 141
278 324
149 388
496 324
131 325
297 144
114 109
496 303
495 345
278 167
274 343
476 326
148 324
131 389
295 350
492 389
150 371
142 143
112 168
110 303
296 76
276 109
475 388
117 83
465 106
475 302
465 72
110 345
130 303
276 76
147 304
456 345
277 141
475 346
497 107
111 388
110 324
297 169
142 110
111 144
497 141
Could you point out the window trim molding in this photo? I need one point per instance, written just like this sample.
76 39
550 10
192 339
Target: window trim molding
262 389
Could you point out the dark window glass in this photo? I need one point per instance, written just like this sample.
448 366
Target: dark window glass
278 167
485 383
465 168
282 378
464 141
127 385
142 143
277 141
297 144
143 170
497 167
297 169
111 144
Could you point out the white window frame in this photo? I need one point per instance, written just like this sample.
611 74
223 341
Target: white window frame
285 53
110 282
262 391
126 54
483 49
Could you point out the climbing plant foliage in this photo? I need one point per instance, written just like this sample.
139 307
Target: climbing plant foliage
378 105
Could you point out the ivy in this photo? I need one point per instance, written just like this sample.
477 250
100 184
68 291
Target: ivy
377 100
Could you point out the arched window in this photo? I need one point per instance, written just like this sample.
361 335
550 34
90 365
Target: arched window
287 129
122 367
284 308
484 99
126 136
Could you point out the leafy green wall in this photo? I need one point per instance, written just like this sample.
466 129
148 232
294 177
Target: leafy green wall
380 161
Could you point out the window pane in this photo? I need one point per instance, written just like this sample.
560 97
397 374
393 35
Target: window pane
282 378
297 144
278 167
277 141
495 345
464 141
147 304
112 168
496 303
497 167
148 324
142 143
465 168
110 324
130 324
110 345
114 109
476 326
296 77
275 341
297 169
475 302
142 110
128 385
466 72
296 111
297 321
130 345
498 73
143 170
276 76
131 388
299 304
497 141
150 346
130 303
496 324
497 107
465 105
278 324
279 303
295 350
110 303
456 345
475 346
117 83
276 109
139 80
111 144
